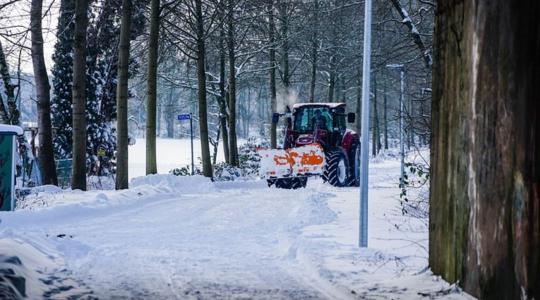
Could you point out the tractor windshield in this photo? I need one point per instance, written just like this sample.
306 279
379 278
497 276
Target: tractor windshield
308 118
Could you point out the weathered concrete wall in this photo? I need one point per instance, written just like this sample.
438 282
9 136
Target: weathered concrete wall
485 190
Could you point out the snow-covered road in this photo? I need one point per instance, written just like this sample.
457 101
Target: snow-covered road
188 238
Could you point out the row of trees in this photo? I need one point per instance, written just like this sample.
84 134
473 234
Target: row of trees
241 60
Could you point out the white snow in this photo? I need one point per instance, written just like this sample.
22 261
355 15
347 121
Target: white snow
171 153
190 238
11 128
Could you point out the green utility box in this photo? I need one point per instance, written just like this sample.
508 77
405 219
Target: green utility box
8 153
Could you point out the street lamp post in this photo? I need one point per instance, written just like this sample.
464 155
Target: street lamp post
401 68
363 224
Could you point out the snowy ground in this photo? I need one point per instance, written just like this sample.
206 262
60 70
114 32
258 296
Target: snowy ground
188 238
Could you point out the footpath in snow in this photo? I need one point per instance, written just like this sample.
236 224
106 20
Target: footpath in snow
173 237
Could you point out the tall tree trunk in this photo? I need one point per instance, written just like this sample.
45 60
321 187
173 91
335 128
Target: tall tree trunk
375 131
272 73
12 111
153 44
4 116
284 17
78 172
46 154
201 79
331 85
233 149
385 119
485 180
222 101
314 51
359 102
122 175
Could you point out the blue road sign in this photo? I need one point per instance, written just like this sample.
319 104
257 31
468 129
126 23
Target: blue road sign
184 117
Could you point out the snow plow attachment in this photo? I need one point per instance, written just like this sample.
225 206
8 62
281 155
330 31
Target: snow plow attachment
293 162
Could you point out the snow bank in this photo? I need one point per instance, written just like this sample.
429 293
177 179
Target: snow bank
34 270
173 183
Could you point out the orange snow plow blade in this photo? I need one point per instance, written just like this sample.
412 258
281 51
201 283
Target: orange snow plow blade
300 161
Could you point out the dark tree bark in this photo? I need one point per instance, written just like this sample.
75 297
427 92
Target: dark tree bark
272 72
201 79
233 149
122 94
46 153
385 119
314 51
12 112
78 172
222 99
153 44
485 174
284 30
375 129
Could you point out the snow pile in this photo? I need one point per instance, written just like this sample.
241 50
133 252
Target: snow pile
173 184
29 271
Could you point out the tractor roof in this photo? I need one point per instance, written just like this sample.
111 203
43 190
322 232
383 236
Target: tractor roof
329 105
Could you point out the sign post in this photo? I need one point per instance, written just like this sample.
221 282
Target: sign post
184 117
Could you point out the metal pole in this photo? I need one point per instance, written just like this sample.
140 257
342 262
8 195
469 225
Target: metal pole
191 131
363 225
401 131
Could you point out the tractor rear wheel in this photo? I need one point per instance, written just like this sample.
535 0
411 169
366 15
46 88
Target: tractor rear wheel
288 183
336 169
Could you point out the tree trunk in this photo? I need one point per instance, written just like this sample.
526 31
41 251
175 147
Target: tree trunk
285 49
385 119
46 154
9 89
359 103
153 44
272 73
314 51
375 130
4 116
222 101
485 180
331 85
78 172
201 79
233 150
122 94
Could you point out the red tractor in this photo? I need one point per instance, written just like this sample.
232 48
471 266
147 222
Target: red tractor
316 143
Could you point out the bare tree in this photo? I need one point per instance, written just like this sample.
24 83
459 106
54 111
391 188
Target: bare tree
46 154
122 94
233 147
201 78
151 165
272 72
78 172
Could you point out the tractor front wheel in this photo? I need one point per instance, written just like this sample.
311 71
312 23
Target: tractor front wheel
288 183
336 169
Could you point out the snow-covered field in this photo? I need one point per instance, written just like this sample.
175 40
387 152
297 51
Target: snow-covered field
170 153
173 237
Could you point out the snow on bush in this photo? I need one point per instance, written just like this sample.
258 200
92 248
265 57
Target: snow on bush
249 162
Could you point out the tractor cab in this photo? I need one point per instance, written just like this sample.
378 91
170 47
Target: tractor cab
323 123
